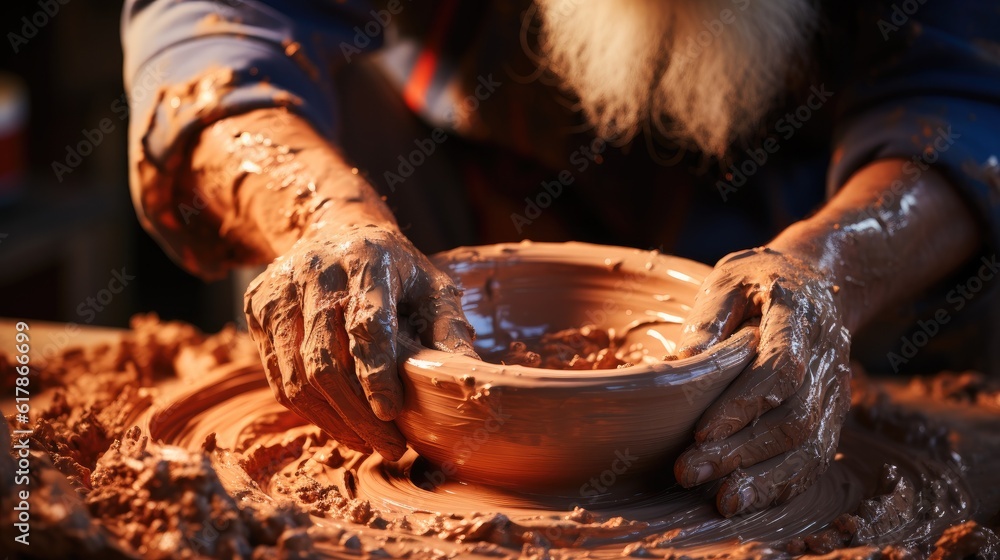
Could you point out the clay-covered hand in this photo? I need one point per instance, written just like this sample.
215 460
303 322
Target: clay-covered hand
775 429
325 317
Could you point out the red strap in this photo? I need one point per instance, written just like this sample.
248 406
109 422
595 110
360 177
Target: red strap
415 92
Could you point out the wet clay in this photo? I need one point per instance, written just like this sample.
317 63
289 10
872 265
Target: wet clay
775 429
548 431
203 461
584 348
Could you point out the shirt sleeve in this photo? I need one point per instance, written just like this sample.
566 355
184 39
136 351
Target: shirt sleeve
926 87
190 63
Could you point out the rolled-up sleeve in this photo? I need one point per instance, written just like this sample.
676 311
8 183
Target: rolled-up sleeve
190 63
925 87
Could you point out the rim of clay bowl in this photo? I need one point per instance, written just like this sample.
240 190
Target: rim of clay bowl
723 356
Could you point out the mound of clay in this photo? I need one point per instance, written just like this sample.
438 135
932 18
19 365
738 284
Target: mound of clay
581 348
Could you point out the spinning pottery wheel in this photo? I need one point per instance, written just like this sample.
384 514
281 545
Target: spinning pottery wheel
553 462
273 456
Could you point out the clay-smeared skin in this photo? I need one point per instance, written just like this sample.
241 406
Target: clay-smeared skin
798 385
324 314
775 429
267 178
327 310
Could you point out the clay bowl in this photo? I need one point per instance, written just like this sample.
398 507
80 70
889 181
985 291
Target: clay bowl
551 431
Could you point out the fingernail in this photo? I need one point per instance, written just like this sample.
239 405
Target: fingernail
704 472
737 502
383 406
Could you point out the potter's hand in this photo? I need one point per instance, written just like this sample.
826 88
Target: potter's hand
775 429
325 319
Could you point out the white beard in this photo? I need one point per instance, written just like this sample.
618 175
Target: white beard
632 62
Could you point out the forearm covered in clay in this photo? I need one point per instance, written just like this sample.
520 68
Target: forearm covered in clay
267 176
884 237
191 64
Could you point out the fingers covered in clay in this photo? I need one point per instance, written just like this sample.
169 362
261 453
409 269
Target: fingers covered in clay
330 369
719 309
450 331
778 431
801 336
785 428
308 406
325 320
783 477
371 325
284 369
787 406
774 375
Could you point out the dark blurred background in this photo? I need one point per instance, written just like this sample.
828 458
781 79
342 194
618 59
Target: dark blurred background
67 227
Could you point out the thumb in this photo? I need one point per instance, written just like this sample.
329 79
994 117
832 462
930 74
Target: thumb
450 331
717 311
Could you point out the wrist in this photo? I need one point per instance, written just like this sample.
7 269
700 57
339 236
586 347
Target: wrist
820 243
817 242
341 200
332 216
